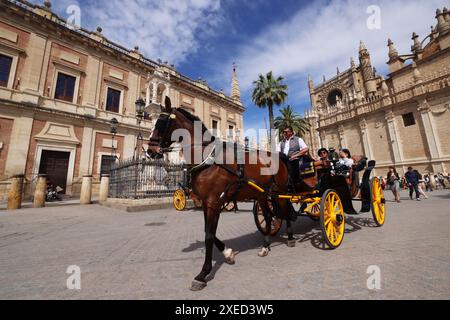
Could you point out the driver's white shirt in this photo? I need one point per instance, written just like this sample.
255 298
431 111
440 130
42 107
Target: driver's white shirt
301 143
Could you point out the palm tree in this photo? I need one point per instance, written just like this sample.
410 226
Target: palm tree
290 118
268 92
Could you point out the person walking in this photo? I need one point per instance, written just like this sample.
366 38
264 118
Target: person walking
393 183
412 179
421 185
428 186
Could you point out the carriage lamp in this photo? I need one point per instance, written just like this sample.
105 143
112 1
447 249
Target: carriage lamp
246 142
140 105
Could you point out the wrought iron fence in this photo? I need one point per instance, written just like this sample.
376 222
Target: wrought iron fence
143 179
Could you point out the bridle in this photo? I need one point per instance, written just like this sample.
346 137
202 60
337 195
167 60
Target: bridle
162 125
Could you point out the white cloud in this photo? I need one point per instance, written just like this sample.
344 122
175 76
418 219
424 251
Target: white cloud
324 35
168 29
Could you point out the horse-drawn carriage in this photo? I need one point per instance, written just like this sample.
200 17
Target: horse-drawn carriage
330 196
323 193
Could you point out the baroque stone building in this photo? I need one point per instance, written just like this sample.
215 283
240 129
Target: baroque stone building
403 120
60 87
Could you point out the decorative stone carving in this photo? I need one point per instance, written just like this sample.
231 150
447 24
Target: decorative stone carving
440 109
363 124
58 132
424 106
389 116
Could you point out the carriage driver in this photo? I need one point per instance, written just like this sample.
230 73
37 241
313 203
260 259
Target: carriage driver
294 148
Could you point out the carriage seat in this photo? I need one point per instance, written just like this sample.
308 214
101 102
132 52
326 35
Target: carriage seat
309 171
359 163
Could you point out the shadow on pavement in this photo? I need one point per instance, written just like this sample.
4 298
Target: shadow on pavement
308 230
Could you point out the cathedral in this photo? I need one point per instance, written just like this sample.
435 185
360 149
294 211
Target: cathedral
401 120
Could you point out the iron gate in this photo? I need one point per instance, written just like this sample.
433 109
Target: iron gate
143 179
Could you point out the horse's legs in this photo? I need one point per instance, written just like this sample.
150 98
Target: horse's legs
228 253
212 219
268 219
290 240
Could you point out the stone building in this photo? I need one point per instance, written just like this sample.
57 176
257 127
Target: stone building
403 120
60 87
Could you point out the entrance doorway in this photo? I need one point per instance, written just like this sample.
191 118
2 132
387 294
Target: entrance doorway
55 165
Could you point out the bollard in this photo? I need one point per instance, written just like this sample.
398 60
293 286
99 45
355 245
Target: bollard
15 192
40 193
104 188
86 190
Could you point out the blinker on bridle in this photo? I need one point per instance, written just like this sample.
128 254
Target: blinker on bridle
165 117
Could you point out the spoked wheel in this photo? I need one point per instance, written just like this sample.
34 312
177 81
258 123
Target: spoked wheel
377 201
313 211
179 199
332 219
275 225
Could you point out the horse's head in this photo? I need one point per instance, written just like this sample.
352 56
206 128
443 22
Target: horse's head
167 122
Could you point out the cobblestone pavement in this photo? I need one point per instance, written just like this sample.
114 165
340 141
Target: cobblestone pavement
155 255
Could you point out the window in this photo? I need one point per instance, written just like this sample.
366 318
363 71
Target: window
333 97
106 163
230 132
214 125
65 87
113 100
5 69
408 119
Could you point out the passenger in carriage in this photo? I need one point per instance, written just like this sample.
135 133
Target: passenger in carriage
345 158
323 154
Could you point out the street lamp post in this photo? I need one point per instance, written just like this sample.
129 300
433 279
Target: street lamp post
140 105
113 130
246 143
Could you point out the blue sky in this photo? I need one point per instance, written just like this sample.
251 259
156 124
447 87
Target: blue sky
293 38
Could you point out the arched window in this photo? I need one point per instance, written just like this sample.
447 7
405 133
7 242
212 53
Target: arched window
332 97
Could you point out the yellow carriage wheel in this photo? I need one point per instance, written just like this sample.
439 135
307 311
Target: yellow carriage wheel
179 199
377 201
332 218
313 211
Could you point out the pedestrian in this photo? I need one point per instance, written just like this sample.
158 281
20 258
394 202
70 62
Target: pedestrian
428 186
421 185
412 179
438 182
393 183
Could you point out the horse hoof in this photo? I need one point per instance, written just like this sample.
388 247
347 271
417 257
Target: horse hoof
197 285
230 256
263 252
291 243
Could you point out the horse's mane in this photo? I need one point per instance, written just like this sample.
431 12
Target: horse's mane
192 118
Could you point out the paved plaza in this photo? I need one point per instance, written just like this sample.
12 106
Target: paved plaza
156 254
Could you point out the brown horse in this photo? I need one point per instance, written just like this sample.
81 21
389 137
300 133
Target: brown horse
215 184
